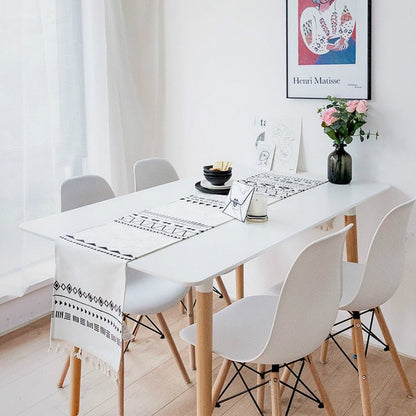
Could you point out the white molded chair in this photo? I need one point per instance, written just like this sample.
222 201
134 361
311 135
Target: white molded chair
145 294
153 172
279 330
367 286
157 171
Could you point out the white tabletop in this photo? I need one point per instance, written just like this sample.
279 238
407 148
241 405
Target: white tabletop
221 249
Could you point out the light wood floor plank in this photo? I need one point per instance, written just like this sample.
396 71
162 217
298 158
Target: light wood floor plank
154 386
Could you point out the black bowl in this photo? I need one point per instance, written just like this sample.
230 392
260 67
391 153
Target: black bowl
217 177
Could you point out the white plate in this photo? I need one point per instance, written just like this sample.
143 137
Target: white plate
208 185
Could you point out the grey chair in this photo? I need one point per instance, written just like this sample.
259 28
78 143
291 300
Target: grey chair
84 190
158 171
153 172
145 294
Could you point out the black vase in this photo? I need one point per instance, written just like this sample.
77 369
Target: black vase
339 166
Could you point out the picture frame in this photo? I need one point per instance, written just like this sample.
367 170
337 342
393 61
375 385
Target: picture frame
328 49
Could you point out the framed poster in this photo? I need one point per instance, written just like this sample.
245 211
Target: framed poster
328 48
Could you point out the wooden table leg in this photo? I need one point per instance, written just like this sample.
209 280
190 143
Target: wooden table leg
352 254
75 387
239 281
351 239
190 308
204 348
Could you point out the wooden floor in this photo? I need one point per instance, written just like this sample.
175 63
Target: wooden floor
28 376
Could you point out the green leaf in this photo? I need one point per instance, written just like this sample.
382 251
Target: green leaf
348 140
330 132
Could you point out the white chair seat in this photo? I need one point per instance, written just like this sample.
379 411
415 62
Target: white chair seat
147 294
252 320
352 277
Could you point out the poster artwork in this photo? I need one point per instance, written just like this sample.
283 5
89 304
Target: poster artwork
327 32
328 48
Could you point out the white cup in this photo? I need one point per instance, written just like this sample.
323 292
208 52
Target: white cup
258 205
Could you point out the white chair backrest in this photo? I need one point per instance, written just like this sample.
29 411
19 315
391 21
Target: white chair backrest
84 190
385 259
153 172
309 301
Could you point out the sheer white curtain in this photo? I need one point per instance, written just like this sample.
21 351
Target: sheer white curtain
71 73
42 126
122 77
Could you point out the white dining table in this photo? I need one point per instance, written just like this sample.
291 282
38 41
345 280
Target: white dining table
198 260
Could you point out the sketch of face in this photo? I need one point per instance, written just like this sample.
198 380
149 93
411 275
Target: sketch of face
264 157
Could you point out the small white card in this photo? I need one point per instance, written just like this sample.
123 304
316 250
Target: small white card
265 154
285 133
239 199
282 131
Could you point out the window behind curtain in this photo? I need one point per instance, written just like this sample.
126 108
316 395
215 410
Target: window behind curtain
42 118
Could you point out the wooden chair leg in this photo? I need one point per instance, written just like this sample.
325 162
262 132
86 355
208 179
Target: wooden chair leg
219 381
139 318
182 307
64 372
324 352
329 410
285 378
172 347
275 391
354 352
392 348
362 364
223 290
121 383
261 368
190 307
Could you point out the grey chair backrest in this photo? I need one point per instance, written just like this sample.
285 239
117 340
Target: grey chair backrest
84 190
153 172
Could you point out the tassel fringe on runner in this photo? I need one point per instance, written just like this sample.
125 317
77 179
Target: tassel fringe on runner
98 364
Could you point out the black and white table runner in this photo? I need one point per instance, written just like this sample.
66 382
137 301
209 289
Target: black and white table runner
89 288
278 186
91 265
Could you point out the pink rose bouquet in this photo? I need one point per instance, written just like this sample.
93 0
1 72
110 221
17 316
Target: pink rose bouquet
341 119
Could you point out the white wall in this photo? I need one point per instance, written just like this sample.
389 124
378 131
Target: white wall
223 62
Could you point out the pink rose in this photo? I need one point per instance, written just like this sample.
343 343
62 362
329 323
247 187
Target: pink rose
352 106
328 118
362 107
